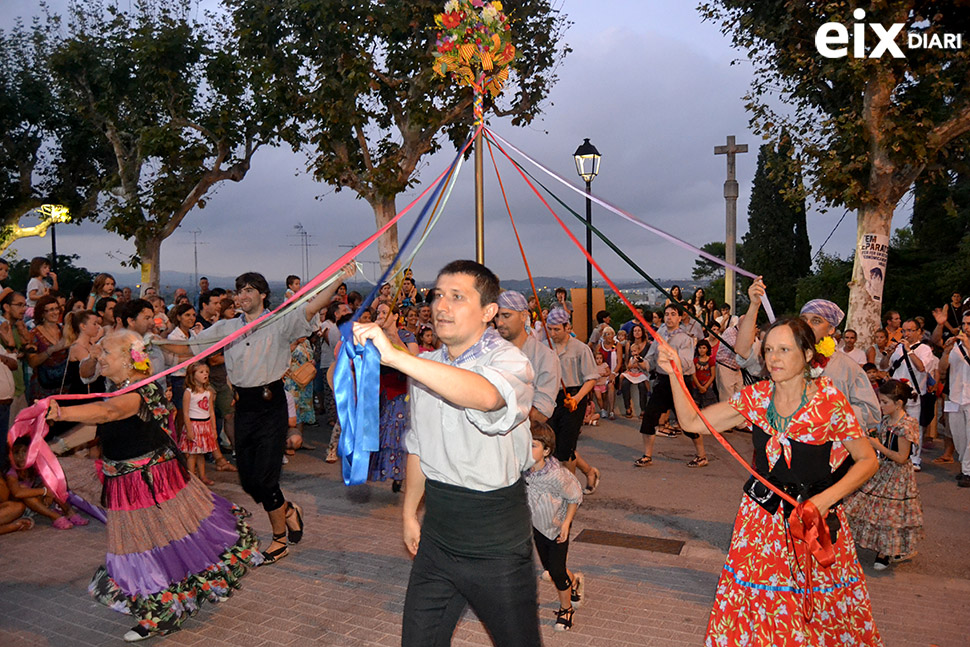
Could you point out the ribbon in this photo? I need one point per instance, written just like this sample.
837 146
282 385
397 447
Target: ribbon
627 216
32 422
357 408
358 403
808 526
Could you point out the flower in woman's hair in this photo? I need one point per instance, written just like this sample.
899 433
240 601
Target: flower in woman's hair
139 359
825 347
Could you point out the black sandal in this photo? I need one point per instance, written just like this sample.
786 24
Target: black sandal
294 536
273 556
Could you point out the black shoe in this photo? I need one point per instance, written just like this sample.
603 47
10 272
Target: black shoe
396 486
882 562
564 619
963 480
294 536
136 633
273 556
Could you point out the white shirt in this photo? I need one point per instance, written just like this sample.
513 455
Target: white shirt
478 450
857 355
545 365
924 354
959 376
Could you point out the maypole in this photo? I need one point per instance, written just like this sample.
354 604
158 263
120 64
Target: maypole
474 46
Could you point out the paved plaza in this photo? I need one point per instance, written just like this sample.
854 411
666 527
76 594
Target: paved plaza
344 584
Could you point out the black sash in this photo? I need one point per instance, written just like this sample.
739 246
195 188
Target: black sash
909 366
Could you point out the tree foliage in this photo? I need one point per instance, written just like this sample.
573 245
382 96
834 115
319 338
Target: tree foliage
169 100
776 225
357 76
46 155
829 280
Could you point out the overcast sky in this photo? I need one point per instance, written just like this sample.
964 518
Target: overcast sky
647 82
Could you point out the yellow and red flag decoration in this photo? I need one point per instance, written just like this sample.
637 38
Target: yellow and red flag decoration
474 45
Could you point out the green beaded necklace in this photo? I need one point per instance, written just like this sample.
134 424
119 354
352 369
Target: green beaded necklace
781 423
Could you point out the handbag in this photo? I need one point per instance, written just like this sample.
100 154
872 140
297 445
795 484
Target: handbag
303 374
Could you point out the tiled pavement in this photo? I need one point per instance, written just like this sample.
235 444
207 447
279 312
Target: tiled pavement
344 584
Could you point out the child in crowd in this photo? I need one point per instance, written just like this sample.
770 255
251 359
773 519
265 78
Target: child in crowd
702 381
592 415
426 340
886 514
37 286
25 486
875 376
292 286
199 434
554 496
602 382
12 517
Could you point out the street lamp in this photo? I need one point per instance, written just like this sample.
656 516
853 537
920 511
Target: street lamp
588 166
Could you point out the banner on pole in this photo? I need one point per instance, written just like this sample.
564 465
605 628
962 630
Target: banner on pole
873 252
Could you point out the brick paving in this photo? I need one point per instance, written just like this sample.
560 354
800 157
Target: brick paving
344 584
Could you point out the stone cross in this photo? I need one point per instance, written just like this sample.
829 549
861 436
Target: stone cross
731 206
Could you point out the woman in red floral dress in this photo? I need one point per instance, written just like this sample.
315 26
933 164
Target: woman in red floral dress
803 432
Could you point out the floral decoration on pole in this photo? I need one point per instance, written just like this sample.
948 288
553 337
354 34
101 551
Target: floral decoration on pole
475 47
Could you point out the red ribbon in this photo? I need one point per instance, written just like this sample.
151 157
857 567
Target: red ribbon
809 527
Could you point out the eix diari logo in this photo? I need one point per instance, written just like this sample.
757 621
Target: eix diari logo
832 39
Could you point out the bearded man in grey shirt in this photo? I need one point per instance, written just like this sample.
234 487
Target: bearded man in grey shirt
468 444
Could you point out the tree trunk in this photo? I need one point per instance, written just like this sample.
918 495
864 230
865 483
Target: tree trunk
865 312
387 245
150 252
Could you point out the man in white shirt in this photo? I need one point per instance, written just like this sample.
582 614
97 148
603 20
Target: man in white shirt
956 361
849 339
914 361
468 444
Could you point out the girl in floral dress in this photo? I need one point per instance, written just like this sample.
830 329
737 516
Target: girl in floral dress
803 432
886 513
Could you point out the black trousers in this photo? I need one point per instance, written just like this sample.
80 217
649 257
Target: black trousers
552 555
501 591
260 442
661 400
475 550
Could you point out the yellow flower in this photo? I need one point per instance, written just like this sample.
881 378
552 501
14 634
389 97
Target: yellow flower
825 347
497 5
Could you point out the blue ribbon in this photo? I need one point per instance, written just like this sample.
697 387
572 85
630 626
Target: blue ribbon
358 408
356 376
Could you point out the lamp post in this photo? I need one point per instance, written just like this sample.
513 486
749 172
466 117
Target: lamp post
588 166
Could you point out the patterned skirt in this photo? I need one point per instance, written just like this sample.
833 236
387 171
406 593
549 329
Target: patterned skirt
172 544
761 591
886 513
204 437
388 463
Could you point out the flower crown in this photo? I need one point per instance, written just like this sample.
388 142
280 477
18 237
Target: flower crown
824 349
139 358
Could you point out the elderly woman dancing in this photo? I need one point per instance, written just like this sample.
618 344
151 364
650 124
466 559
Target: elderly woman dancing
172 544
804 431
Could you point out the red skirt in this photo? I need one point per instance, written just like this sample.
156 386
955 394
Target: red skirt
761 592
204 440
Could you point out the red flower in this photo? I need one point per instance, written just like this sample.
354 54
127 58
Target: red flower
446 46
167 596
451 20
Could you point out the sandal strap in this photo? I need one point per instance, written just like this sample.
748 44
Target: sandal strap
279 537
